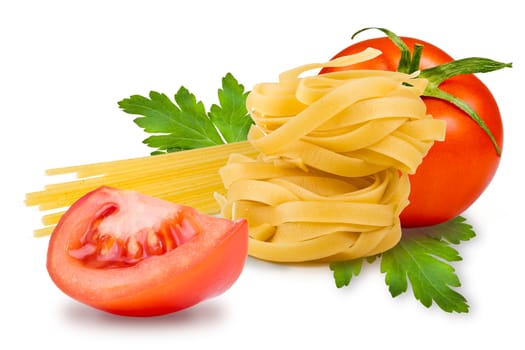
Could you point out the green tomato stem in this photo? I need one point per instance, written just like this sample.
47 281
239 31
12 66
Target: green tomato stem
416 58
437 75
470 65
406 57
409 63
434 91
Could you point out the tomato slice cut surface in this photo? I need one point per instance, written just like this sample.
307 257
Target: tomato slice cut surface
130 254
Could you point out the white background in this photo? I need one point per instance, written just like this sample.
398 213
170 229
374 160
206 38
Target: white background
65 64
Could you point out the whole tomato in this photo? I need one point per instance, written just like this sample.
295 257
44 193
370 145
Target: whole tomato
455 172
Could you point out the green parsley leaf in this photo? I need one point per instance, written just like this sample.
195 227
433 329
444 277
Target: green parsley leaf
454 231
185 124
181 126
345 270
231 116
422 255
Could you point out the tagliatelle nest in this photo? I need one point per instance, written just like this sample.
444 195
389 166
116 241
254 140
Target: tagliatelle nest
335 150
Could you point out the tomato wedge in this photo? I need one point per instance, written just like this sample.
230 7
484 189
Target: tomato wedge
130 254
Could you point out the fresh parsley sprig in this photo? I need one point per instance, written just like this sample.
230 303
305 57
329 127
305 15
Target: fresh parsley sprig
423 257
185 124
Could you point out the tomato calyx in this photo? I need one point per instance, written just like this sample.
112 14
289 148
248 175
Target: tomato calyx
409 63
102 246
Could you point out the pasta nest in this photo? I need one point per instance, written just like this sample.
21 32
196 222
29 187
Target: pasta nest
335 151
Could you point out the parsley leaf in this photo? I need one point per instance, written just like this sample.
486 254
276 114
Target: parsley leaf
185 124
422 255
454 231
231 116
345 270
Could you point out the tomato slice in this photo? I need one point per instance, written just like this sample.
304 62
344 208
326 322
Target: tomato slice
130 254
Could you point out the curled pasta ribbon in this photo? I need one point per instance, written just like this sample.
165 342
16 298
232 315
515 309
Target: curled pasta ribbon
335 152
298 216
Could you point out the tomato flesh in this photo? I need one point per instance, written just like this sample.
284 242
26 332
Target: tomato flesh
455 172
114 239
131 254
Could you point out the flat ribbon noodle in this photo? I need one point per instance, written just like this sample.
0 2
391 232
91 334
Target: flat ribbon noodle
335 149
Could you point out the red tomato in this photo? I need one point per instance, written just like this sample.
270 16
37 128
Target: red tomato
135 255
455 172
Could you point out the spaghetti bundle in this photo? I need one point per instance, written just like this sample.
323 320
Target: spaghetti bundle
335 152
187 177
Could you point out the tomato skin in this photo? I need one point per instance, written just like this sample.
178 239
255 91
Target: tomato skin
203 267
389 59
455 172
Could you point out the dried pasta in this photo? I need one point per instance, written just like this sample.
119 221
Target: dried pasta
187 177
336 149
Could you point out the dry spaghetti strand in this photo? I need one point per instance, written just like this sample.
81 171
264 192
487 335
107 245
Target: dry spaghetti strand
187 177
